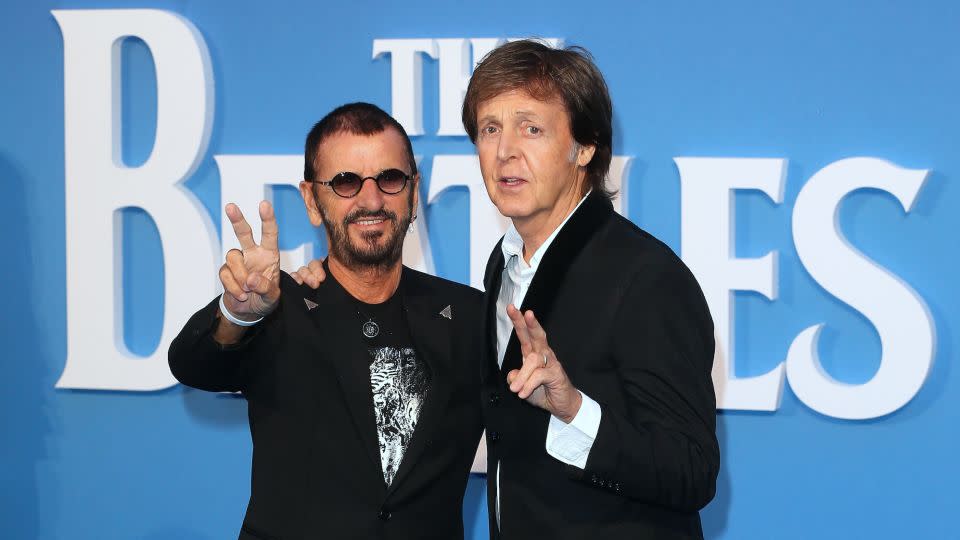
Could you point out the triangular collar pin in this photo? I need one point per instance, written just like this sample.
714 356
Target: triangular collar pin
447 312
310 305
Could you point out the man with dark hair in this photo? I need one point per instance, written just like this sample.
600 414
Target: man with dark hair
362 393
598 401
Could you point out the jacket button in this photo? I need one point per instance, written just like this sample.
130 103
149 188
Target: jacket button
385 515
494 399
494 436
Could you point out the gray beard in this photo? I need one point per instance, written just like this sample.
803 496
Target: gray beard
367 253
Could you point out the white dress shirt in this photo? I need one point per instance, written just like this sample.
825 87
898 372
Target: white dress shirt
569 443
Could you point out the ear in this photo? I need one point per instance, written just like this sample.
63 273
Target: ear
585 154
306 191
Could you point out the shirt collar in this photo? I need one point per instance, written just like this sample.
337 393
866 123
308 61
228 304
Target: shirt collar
512 245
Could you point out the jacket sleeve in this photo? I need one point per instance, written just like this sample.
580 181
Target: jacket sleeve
197 360
663 448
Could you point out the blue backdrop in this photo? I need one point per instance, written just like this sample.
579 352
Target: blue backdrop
812 82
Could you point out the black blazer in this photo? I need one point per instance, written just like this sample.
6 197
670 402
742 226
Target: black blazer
630 325
316 460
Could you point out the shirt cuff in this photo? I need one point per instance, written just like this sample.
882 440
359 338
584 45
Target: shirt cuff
571 443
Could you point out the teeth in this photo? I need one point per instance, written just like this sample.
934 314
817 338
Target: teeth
369 221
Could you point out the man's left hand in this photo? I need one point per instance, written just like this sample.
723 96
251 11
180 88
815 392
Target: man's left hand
541 380
312 274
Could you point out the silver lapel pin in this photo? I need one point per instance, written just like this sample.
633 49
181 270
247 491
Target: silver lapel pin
447 312
310 305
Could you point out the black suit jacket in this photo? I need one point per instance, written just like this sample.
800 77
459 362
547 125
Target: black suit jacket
630 326
305 374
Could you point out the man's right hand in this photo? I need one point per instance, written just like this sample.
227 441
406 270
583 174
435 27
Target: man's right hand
312 274
251 274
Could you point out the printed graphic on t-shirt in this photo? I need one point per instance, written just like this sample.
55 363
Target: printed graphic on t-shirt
400 382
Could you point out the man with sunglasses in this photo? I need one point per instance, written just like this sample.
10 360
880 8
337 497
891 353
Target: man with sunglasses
362 392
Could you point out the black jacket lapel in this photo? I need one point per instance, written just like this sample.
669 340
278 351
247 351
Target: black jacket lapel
492 279
431 335
346 350
560 256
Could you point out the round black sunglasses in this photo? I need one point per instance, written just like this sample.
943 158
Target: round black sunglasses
348 184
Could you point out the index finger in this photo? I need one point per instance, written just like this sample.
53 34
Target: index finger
537 333
268 227
240 226
520 327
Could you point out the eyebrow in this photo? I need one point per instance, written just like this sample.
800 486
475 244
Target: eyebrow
526 114
521 113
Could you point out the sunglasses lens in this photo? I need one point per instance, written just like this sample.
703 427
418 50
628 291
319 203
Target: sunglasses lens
347 184
392 181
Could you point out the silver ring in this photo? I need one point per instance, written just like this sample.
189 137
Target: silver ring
544 359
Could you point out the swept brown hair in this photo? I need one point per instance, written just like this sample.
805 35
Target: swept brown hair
545 73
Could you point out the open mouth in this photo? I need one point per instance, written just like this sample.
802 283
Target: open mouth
364 221
368 221
512 181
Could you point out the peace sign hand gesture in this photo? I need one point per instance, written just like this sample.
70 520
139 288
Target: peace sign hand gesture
251 274
541 380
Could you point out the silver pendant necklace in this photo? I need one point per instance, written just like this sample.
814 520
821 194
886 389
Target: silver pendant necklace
370 328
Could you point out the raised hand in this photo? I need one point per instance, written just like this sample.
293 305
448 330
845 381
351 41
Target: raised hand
541 380
251 274
312 274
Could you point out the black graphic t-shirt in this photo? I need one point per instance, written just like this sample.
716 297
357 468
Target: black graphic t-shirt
398 378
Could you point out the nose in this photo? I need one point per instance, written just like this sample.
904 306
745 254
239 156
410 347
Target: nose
507 145
370 197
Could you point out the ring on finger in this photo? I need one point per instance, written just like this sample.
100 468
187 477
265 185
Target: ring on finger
544 359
